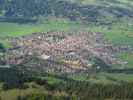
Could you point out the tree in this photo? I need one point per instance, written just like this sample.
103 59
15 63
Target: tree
2 48
99 64
0 98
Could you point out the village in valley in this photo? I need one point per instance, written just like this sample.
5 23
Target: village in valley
65 52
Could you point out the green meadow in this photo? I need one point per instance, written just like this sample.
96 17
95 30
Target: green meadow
116 77
119 33
127 57
15 29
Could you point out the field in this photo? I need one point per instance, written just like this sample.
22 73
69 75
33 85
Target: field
105 78
15 29
129 58
119 33
117 77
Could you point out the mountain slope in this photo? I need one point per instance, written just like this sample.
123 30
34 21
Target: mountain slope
92 11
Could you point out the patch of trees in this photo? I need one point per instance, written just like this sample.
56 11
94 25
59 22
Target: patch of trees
2 57
12 78
2 60
99 64
45 97
2 48
17 20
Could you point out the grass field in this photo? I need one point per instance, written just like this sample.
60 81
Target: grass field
14 29
118 77
119 34
105 78
129 58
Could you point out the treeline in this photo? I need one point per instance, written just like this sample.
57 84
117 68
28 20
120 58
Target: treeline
2 57
2 48
46 97
18 20
12 78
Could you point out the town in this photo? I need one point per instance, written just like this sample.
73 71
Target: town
65 52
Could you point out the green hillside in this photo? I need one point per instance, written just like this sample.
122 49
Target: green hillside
27 81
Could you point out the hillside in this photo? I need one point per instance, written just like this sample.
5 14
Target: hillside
66 49
92 10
